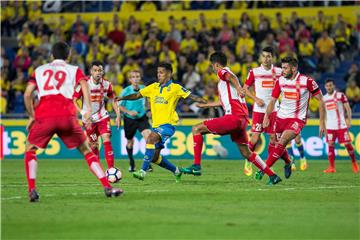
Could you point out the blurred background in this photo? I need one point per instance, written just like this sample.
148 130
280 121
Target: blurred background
323 35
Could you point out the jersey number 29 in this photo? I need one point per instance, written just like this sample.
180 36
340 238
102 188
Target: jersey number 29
60 77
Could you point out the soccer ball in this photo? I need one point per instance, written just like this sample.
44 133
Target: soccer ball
113 175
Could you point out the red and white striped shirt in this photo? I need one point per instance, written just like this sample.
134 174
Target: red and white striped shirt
264 82
55 84
231 102
335 114
98 92
295 96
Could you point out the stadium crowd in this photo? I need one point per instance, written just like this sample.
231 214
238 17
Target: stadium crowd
123 46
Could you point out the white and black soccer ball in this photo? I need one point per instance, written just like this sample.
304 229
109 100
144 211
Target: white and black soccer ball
113 175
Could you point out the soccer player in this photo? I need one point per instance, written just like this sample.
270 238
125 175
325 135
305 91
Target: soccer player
163 96
300 147
99 124
263 80
234 122
135 115
295 90
56 114
337 127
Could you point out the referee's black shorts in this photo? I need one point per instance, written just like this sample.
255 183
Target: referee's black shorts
131 125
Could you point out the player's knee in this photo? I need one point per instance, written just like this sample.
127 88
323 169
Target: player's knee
244 150
130 143
197 129
152 139
30 147
272 139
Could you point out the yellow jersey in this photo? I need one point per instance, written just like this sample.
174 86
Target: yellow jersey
163 101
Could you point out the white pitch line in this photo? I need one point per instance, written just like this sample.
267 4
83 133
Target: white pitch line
165 190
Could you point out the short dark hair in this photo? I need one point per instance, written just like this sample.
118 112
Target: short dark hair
60 50
218 57
329 80
269 50
166 65
96 63
290 60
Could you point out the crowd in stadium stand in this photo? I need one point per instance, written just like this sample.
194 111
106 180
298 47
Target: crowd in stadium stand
320 47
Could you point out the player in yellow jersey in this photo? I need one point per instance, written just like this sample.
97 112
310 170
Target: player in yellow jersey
164 96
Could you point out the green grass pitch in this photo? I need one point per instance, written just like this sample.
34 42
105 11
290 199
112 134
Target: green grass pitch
221 204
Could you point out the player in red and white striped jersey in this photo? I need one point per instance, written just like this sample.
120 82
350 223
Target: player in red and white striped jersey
56 114
337 127
262 79
99 124
295 90
234 122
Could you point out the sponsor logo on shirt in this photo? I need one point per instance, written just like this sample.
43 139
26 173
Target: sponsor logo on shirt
331 106
160 100
292 95
267 84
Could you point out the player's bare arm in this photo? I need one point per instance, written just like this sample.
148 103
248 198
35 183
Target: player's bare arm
78 109
30 88
348 114
197 98
86 99
235 82
130 112
117 112
134 96
209 104
252 95
269 110
322 128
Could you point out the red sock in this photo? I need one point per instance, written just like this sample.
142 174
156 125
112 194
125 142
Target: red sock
259 163
351 152
95 167
331 156
251 146
275 155
109 154
198 145
271 148
285 156
30 162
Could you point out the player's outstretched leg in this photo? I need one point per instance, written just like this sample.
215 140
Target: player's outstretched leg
248 166
96 168
30 162
331 158
350 149
164 163
149 155
198 131
259 163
